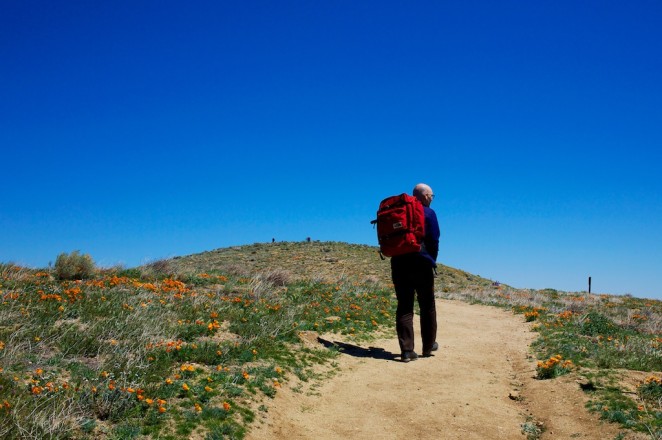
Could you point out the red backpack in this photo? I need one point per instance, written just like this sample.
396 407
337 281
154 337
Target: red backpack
400 225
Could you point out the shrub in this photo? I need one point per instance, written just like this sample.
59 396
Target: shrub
596 324
651 389
74 266
553 367
278 277
161 268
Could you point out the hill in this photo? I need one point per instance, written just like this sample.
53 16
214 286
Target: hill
570 325
610 345
328 261
197 346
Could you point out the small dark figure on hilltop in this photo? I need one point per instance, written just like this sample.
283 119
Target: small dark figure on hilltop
413 273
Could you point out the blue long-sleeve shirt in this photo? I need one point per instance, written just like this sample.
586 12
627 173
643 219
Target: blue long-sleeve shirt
430 249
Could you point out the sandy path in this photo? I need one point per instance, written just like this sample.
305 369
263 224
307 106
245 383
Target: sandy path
463 392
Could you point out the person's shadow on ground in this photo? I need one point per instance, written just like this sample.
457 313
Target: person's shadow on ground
357 351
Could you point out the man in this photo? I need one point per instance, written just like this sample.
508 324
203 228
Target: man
414 273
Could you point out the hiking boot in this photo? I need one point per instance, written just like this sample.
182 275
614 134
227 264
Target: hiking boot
409 356
434 347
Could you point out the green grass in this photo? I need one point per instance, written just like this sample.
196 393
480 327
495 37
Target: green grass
201 343
129 356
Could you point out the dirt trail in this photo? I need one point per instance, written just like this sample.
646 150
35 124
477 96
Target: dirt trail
479 385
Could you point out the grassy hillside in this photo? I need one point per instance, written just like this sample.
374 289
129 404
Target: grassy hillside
612 344
195 346
328 261
192 347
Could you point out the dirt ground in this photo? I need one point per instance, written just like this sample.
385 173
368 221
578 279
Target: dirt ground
479 385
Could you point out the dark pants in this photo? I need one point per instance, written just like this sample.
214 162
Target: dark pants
413 274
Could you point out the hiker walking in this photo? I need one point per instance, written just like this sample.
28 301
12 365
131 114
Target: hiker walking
413 273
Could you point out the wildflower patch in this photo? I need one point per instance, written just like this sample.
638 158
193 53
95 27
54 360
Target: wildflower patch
125 353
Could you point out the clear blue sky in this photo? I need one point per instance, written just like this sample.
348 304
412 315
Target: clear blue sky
141 130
